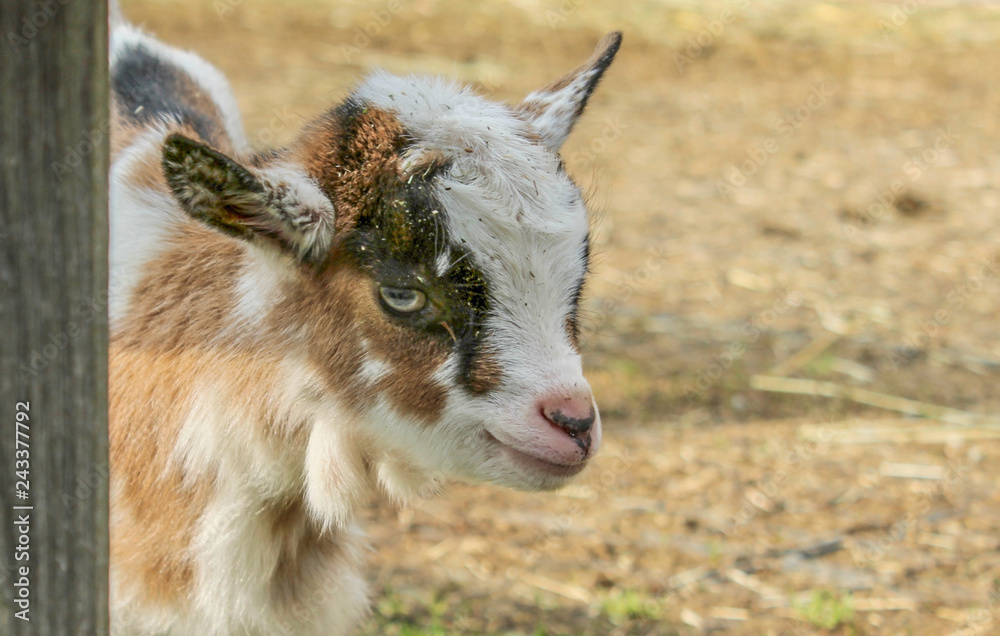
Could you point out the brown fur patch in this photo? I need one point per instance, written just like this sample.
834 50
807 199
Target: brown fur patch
414 357
156 511
414 393
340 311
532 110
485 372
529 134
351 158
186 298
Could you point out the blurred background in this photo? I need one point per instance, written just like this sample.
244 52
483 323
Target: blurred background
791 329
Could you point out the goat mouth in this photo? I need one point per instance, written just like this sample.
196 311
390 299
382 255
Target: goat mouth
531 463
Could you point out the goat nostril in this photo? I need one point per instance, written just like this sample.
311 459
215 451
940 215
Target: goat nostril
577 428
583 441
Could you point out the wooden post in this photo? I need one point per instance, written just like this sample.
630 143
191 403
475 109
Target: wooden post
53 317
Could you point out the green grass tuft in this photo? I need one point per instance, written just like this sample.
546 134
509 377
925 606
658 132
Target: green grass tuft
628 605
827 610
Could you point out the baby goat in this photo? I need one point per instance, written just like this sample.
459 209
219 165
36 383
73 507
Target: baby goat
390 299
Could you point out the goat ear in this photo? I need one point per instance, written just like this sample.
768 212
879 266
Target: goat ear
278 203
554 109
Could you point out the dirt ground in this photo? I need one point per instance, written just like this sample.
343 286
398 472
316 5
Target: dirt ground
789 195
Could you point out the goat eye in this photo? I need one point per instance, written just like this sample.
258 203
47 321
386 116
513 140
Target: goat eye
403 299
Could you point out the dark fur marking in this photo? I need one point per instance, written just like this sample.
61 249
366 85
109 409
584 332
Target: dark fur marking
397 240
148 89
613 41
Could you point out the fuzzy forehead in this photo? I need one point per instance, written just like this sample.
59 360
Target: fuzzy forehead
496 164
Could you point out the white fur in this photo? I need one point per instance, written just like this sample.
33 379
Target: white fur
554 111
443 263
261 280
374 369
335 476
310 214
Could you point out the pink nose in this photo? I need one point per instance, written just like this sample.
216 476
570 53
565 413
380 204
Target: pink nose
573 413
